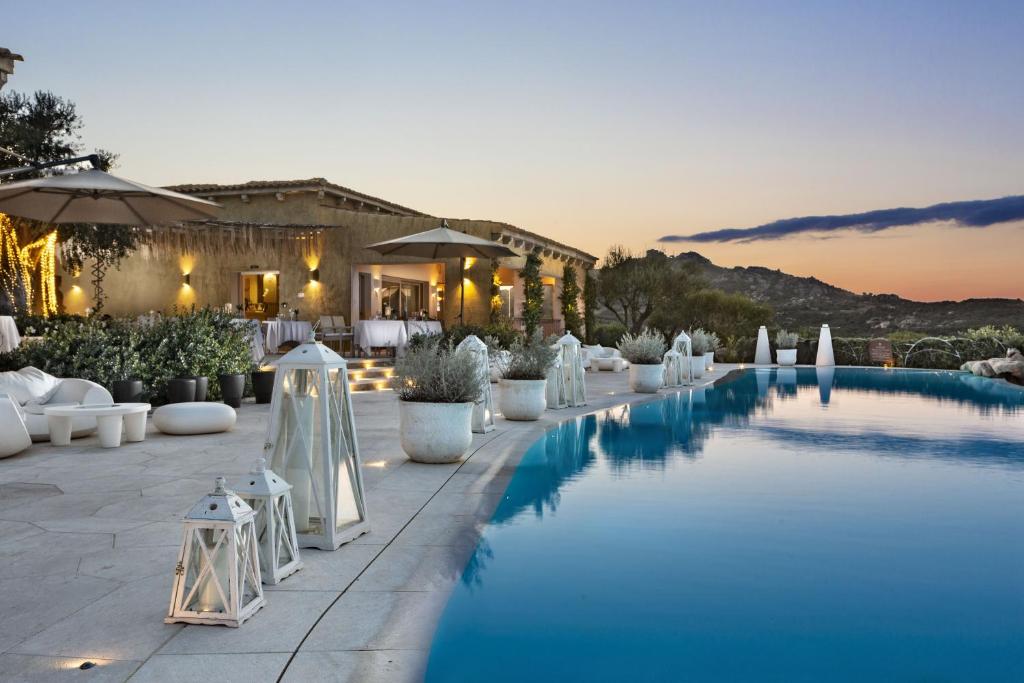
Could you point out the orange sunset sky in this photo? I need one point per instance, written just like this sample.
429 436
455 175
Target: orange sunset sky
593 123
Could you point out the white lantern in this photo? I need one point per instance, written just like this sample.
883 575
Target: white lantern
684 345
762 354
311 442
573 373
555 387
217 579
270 497
483 411
675 373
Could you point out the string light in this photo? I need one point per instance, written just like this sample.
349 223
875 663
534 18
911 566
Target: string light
20 263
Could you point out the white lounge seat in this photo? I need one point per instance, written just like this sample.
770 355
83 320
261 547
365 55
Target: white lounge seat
14 436
606 358
194 418
33 390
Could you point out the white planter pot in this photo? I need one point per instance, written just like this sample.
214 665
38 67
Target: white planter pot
697 363
435 432
647 379
709 360
785 356
523 399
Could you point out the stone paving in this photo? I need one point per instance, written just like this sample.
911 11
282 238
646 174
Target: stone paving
89 536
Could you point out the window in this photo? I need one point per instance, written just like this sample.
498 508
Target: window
259 294
547 311
402 299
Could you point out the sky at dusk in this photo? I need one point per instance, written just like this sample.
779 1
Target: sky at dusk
593 123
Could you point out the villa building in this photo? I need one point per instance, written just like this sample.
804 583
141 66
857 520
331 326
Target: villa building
278 246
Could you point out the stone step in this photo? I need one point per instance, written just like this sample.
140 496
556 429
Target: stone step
378 384
370 373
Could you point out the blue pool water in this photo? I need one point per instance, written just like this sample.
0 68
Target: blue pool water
786 525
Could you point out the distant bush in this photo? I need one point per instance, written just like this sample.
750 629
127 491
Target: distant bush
609 334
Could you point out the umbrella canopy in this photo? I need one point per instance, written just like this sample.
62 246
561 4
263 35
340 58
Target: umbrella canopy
444 242
94 196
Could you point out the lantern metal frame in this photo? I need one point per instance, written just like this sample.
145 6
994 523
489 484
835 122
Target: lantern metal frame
483 409
269 495
684 345
554 389
220 528
574 375
336 465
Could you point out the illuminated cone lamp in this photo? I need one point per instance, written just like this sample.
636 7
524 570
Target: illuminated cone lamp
217 578
825 355
763 353
483 411
270 497
311 442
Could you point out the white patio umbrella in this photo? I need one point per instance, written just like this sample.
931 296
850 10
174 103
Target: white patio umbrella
95 196
441 243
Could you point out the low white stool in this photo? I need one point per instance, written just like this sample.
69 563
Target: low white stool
111 420
609 364
201 417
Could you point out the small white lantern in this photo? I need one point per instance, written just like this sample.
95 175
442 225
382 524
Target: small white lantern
763 353
217 578
311 442
483 411
574 375
675 373
555 387
270 497
684 345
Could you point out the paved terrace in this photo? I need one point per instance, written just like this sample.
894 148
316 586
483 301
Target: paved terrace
88 543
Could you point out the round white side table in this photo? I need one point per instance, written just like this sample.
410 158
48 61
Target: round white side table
110 419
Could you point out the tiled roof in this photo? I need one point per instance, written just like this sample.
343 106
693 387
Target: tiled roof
7 54
541 239
309 183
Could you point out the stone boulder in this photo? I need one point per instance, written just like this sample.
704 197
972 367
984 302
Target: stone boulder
1010 368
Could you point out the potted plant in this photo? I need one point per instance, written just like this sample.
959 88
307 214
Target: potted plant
263 382
437 387
523 378
644 352
127 388
701 345
785 347
232 385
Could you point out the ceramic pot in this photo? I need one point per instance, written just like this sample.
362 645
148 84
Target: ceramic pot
647 379
709 360
202 387
785 356
523 399
127 391
263 385
181 390
697 364
435 432
232 386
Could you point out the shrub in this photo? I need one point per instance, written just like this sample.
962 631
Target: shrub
533 293
528 359
570 299
700 341
609 334
434 373
502 332
421 339
645 348
786 340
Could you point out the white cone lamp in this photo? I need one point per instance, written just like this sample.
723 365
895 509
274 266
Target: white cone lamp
311 442
483 411
270 497
573 373
217 578
825 355
763 353
684 345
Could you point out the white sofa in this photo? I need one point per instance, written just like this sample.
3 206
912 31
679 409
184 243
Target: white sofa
14 437
605 358
68 391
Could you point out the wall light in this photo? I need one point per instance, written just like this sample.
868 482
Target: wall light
186 280
314 275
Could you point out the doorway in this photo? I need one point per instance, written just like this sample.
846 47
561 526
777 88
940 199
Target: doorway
259 293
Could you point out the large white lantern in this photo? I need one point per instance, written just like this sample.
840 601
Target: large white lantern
311 442
574 375
555 387
684 346
675 373
483 411
217 578
270 497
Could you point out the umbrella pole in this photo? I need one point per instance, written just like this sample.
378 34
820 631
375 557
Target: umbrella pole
462 289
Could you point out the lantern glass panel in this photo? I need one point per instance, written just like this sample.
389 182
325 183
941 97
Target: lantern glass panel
299 451
207 591
249 590
341 440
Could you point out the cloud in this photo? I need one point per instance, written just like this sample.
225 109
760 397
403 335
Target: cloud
979 213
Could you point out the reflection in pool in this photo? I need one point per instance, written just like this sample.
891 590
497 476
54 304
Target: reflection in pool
791 524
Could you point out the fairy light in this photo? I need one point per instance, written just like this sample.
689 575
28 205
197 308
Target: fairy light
22 261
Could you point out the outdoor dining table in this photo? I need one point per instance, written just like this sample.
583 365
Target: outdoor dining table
256 348
381 333
423 327
281 331
9 337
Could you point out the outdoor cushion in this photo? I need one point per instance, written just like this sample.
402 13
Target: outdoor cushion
194 418
28 385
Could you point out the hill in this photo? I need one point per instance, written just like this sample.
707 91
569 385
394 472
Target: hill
806 302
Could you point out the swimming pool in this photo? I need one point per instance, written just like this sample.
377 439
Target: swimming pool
790 524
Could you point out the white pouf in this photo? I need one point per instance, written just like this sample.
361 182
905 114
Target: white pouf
194 418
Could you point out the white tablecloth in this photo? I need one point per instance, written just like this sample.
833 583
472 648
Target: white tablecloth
423 327
281 331
9 337
380 333
256 348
